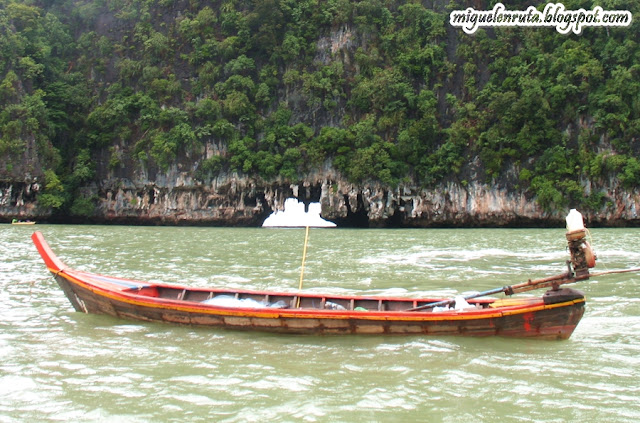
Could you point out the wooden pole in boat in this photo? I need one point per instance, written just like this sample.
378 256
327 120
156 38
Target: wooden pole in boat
580 253
612 272
304 257
550 282
578 247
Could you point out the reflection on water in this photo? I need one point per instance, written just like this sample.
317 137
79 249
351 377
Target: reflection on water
56 364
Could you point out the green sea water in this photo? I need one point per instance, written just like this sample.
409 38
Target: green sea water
60 365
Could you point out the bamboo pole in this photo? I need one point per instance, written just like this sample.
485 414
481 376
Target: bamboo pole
304 257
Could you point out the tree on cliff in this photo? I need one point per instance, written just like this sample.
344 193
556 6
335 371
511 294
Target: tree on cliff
381 90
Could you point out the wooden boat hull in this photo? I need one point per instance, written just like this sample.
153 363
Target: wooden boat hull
553 316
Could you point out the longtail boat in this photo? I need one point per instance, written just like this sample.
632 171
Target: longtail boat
22 222
554 315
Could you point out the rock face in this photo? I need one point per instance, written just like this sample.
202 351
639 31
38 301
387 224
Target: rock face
135 194
18 200
448 205
173 198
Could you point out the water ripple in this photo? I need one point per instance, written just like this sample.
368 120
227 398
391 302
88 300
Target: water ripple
56 364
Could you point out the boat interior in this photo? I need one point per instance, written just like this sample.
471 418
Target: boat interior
283 301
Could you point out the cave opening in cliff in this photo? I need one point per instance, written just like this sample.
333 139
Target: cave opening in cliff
357 218
396 220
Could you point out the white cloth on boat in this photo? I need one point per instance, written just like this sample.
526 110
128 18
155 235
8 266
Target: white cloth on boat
231 301
462 304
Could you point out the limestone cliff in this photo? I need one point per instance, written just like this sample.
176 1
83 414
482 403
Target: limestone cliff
210 113
233 200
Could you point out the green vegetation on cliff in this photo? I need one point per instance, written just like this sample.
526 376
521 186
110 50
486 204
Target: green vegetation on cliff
379 90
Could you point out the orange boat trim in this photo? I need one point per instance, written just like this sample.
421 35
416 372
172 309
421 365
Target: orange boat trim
311 314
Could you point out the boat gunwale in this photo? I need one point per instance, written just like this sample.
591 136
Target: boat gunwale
130 296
